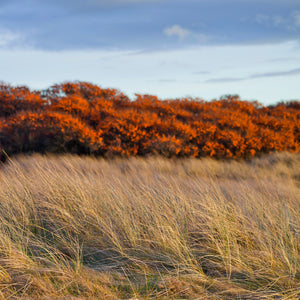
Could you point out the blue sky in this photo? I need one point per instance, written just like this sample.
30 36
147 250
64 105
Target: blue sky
178 48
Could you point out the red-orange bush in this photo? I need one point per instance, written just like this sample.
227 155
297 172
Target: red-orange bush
17 99
84 118
48 132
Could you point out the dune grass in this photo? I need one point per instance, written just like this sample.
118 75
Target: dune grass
150 228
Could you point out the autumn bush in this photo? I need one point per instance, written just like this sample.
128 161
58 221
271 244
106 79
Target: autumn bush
80 117
48 132
17 99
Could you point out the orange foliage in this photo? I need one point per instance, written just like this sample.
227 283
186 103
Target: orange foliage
83 118
74 105
48 132
14 100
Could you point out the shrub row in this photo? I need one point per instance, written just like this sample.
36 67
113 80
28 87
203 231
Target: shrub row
83 118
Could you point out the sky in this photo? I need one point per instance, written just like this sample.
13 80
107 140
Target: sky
168 48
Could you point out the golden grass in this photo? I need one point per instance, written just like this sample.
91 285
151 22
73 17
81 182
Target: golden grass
79 227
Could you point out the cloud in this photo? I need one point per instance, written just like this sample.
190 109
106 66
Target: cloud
282 59
177 30
278 20
296 16
201 72
132 73
274 20
223 79
146 24
100 2
275 74
91 5
7 38
254 76
290 22
261 18
166 80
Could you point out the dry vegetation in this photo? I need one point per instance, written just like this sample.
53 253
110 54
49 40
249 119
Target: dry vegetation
150 228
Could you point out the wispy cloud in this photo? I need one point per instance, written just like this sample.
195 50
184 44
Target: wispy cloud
291 22
275 74
201 72
282 59
254 76
7 38
296 16
177 30
148 24
274 20
100 3
165 80
262 18
224 79
116 68
278 20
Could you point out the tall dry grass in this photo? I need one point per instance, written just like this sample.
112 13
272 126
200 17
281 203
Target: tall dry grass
150 228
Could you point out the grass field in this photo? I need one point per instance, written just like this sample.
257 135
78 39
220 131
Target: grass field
150 228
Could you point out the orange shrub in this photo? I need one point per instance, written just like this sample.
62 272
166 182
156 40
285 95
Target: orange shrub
48 132
14 100
84 118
